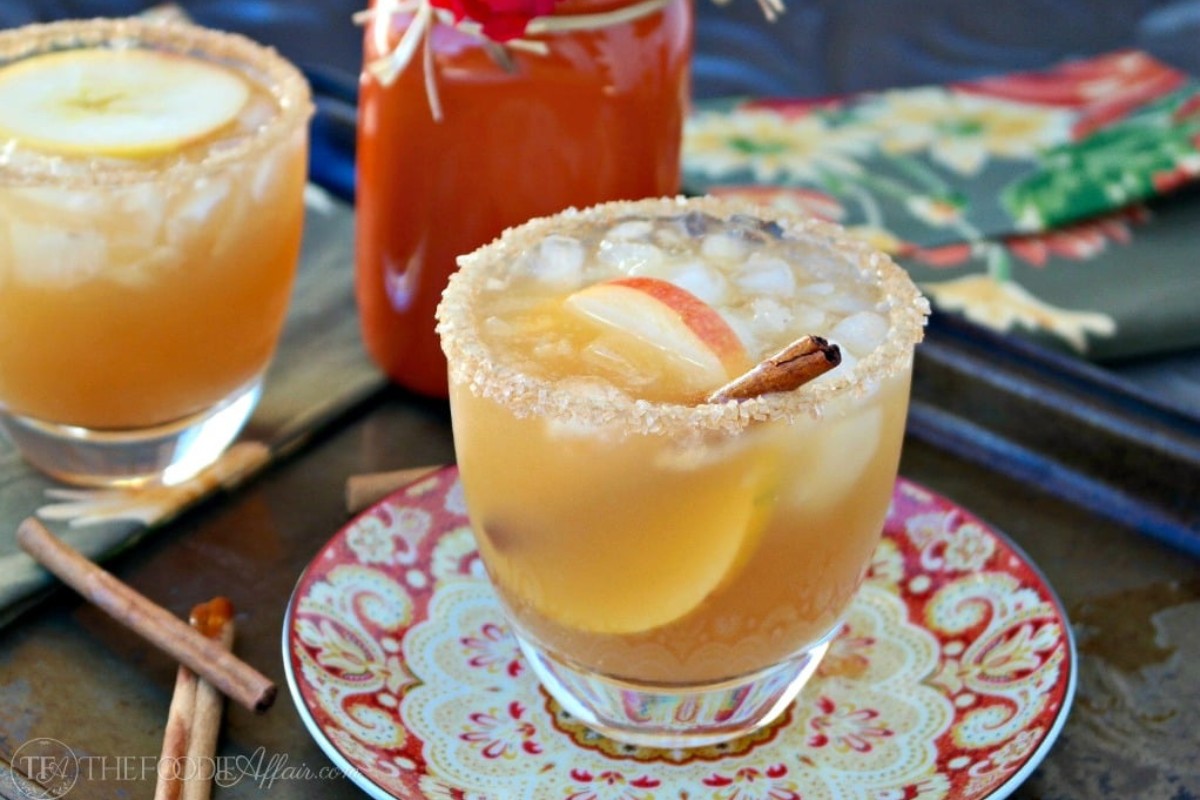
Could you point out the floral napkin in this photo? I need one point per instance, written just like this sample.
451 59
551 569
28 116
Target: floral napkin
1033 202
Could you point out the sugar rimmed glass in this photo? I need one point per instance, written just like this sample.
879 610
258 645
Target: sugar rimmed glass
142 296
674 572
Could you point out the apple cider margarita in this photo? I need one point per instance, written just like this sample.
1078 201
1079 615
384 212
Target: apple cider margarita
151 207
640 525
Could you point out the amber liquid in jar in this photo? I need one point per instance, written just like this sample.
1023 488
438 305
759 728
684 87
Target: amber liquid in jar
599 117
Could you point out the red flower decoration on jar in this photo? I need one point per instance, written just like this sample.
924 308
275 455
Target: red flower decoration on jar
501 20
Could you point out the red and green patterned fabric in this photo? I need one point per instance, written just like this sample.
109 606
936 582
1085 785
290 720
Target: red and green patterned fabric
1059 204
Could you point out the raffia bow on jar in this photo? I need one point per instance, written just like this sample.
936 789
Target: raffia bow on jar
501 25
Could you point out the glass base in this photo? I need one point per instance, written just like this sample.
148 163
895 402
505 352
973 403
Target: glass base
165 454
674 716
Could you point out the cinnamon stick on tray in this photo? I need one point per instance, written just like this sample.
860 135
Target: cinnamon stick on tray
790 368
194 719
207 658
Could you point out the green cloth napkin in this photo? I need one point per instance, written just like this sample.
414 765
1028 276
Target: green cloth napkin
1031 202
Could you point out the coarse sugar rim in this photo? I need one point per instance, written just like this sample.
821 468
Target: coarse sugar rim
472 362
262 64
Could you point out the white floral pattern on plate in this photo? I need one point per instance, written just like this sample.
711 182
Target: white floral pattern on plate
951 677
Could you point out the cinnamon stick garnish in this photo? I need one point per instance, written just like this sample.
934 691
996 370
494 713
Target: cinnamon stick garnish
363 491
790 368
229 674
194 719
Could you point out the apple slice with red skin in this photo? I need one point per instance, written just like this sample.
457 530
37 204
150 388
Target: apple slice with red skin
669 319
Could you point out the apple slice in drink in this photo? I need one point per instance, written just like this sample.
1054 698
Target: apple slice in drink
658 318
123 103
660 560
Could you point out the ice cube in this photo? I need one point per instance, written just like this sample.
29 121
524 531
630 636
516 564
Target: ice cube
138 267
844 449
76 208
195 206
766 275
141 212
550 349
844 369
846 301
266 176
630 257
745 330
54 257
257 112
648 269
607 357
571 428
231 226
747 228
688 455
702 280
836 299
670 239
814 291
757 227
512 304
770 316
806 318
629 230
697 223
557 262
724 247
819 262
860 333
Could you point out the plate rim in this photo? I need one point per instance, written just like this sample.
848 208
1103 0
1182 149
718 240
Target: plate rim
377 792
331 751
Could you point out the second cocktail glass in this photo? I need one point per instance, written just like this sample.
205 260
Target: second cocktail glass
151 207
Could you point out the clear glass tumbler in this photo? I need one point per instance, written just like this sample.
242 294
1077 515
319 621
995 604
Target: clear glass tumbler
673 559
151 207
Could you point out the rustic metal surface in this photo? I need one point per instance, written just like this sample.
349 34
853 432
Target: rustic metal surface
1066 427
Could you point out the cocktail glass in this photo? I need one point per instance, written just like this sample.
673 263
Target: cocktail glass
675 567
151 207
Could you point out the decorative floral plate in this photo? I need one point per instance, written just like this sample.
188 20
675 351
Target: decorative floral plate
951 678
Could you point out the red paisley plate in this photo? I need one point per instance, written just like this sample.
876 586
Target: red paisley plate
951 677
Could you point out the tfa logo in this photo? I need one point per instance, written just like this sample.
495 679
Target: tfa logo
50 766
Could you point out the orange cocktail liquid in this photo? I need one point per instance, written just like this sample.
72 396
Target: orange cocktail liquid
632 530
598 117
753 549
139 301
